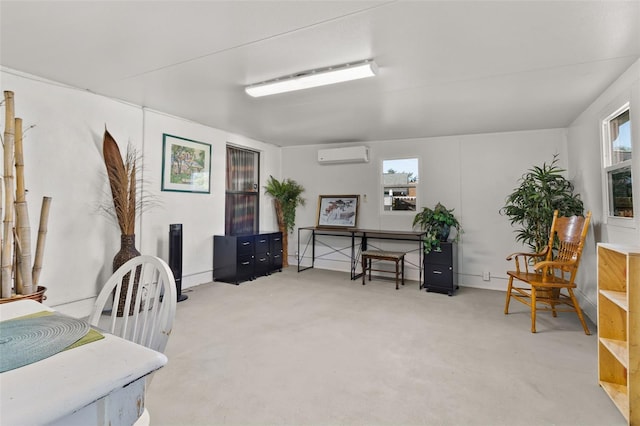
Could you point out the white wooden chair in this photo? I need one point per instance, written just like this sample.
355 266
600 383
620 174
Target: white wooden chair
146 311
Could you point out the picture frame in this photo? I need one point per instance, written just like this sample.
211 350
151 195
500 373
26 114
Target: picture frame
186 165
338 211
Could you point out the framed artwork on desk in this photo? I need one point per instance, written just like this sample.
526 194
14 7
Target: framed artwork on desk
338 211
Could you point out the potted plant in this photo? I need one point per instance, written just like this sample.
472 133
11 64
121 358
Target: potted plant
531 205
437 223
287 197
126 204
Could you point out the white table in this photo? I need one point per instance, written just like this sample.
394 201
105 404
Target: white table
102 382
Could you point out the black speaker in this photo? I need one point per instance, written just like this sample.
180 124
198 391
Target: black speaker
175 257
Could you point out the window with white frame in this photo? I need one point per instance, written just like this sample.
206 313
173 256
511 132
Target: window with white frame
399 184
616 135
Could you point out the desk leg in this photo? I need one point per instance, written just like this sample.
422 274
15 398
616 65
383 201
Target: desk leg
301 253
420 264
353 256
356 254
313 248
298 252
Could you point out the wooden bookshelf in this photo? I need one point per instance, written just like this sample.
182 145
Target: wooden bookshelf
619 327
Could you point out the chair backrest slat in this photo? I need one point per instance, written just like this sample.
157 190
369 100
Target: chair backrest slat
566 242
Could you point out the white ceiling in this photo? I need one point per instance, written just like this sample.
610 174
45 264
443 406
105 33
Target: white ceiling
455 67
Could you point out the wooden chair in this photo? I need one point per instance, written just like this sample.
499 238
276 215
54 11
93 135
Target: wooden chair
393 256
541 277
147 315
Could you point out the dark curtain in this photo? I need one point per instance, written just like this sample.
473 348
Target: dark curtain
241 204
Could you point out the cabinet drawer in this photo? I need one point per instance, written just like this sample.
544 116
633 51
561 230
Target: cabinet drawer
442 257
276 259
245 266
276 242
438 275
245 244
261 264
262 243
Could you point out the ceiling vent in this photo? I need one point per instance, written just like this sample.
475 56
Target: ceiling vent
351 154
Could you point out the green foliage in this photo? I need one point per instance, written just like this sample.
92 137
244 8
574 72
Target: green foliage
542 190
288 194
436 222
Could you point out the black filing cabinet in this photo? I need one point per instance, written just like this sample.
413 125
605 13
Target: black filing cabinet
440 269
275 249
233 258
262 256
238 258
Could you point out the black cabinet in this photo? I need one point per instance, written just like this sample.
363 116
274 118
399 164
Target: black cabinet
238 258
262 260
440 269
275 249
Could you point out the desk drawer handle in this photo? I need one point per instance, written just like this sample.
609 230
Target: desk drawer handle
437 272
246 243
245 263
263 241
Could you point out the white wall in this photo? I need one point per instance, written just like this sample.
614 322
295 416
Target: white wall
472 174
202 215
63 159
585 163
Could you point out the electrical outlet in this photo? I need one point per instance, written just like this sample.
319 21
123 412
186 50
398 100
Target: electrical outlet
486 276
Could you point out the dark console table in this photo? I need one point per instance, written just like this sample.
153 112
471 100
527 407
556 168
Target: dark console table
359 240
239 258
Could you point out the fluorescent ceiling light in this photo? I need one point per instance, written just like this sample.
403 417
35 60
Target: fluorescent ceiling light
314 78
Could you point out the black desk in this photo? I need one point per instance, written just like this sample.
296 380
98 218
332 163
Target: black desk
355 250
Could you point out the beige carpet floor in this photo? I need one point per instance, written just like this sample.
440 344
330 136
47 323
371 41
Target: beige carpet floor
315 348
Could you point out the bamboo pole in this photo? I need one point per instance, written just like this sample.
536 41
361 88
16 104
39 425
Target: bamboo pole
19 158
17 278
9 140
42 233
23 231
24 283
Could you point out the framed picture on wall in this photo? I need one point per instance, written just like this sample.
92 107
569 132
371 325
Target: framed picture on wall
338 211
186 165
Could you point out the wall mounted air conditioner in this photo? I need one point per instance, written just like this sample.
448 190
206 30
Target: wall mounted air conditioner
350 154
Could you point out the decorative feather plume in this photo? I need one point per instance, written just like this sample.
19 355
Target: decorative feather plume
122 180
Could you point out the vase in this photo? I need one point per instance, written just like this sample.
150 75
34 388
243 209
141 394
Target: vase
127 251
443 233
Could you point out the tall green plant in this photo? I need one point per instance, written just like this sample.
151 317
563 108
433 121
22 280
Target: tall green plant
287 197
542 190
288 194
